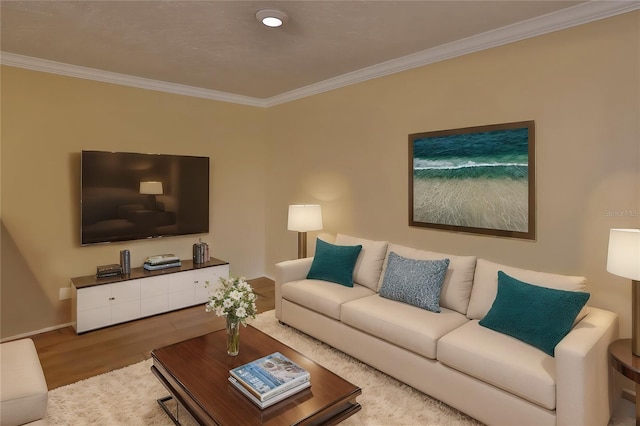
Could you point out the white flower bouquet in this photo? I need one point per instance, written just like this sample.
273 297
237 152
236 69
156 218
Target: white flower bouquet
234 299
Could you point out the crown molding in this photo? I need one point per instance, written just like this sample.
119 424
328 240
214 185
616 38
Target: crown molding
45 65
577 15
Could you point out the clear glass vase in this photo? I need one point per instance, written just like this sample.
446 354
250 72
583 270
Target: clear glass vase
233 336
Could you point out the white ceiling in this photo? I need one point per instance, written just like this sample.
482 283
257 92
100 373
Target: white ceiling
217 49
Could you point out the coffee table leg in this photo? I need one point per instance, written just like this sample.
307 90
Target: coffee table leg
163 403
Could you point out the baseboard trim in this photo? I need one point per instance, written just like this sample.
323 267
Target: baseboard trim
32 333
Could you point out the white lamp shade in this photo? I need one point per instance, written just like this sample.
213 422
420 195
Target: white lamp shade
151 188
305 217
624 253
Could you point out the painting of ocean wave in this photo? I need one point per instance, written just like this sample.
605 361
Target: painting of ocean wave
478 179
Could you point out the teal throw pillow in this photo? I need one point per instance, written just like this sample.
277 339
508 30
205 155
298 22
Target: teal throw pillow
536 315
416 282
334 263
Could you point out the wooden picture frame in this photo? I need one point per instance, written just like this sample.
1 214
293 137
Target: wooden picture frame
479 180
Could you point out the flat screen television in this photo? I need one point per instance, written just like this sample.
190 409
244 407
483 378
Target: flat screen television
127 196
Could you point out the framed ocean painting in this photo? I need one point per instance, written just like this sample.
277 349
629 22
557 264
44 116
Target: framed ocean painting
476 179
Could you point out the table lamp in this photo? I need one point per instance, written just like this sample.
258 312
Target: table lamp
151 188
624 260
303 218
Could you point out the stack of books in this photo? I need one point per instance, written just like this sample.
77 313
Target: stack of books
161 261
269 379
105 271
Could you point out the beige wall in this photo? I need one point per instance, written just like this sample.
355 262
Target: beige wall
349 150
345 149
48 119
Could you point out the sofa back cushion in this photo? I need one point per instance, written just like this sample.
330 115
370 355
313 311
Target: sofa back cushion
485 284
369 265
456 288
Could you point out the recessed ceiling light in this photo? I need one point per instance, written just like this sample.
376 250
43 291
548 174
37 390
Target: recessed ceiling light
271 17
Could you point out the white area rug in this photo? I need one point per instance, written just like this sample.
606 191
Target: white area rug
128 396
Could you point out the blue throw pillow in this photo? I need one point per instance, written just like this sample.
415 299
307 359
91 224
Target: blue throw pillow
416 282
536 315
334 263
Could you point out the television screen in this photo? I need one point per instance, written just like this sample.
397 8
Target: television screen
128 196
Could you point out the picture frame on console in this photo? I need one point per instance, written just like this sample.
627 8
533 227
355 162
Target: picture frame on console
477 180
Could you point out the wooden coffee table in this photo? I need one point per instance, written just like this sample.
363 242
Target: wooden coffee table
196 372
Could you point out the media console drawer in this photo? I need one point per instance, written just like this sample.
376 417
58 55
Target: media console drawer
97 303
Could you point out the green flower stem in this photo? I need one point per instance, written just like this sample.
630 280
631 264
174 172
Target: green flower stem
233 336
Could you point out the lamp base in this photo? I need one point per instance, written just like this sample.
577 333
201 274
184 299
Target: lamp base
302 245
152 202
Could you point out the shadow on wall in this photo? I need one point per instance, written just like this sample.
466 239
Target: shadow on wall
21 296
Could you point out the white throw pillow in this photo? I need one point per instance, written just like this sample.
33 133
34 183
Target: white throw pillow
369 265
456 289
485 285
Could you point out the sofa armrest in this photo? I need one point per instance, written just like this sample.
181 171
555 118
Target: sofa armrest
582 370
290 270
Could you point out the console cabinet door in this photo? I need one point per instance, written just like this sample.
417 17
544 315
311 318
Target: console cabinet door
154 295
212 275
93 308
103 305
94 318
125 301
182 292
94 297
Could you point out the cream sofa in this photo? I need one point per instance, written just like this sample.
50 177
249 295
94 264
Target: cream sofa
490 376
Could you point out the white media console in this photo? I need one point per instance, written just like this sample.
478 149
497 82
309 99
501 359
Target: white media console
100 302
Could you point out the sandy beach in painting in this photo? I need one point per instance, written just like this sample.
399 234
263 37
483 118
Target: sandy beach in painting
475 180
480 203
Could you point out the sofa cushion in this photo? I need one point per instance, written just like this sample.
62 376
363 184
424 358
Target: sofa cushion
409 327
536 315
485 285
456 288
322 296
501 361
416 282
334 263
369 265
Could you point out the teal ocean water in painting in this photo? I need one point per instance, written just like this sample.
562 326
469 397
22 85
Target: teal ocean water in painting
497 154
477 180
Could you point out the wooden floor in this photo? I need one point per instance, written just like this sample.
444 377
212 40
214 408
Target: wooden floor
67 357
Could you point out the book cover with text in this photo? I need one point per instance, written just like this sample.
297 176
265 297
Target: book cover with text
270 375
